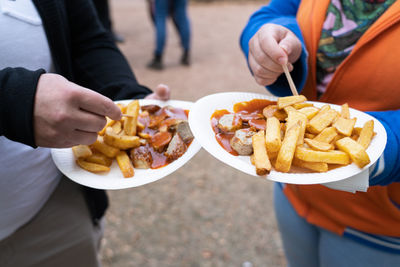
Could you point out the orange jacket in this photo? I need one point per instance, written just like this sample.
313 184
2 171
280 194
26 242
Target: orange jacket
368 79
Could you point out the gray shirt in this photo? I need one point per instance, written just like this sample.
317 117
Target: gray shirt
27 176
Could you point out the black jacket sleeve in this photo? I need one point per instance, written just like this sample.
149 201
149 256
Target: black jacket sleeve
97 63
17 95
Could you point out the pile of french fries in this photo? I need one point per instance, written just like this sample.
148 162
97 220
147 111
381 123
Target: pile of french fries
112 142
318 139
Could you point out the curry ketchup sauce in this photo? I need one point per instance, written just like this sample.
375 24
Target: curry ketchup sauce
251 114
160 139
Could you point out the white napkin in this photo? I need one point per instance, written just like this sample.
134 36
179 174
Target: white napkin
21 9
358 182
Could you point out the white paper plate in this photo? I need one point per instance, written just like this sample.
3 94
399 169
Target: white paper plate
200 124
65 161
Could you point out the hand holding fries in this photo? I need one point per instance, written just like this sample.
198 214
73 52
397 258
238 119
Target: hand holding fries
69 115
139 139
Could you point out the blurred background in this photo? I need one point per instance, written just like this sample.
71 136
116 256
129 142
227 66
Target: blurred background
206 213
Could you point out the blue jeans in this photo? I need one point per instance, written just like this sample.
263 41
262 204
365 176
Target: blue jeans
310 246
179 14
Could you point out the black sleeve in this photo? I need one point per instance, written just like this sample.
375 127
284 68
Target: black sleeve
17 95
98 63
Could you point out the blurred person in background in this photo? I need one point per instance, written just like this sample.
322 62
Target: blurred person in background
104 13
339 52
59 70
160 10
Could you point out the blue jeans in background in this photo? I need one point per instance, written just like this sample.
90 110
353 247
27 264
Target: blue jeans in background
307 245
177 9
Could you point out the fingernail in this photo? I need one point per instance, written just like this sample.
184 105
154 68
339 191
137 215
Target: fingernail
282 60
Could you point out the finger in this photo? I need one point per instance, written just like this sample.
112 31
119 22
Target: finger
260 71
271 47
264 82
96 103
292 46
264 59
82 137
88 122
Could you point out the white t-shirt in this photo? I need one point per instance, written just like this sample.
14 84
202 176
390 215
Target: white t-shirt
27 176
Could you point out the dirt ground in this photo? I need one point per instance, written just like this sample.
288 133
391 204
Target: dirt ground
206 213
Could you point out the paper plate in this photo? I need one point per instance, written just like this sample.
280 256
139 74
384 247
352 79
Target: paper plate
65 161
200 124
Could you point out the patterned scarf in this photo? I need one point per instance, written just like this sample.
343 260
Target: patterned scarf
346 21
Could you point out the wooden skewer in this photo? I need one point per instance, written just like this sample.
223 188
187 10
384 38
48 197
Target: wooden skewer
289 78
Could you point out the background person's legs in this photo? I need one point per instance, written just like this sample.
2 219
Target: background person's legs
61 234
181 20
300 239
160 18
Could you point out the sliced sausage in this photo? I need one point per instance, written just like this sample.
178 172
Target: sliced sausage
242 143
176 148
230 123
141 157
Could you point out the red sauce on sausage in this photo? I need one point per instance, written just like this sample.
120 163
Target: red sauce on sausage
251 114
157 138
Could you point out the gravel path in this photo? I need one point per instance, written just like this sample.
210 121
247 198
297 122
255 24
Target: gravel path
206 213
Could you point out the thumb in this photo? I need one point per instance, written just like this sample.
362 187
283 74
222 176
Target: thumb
163 92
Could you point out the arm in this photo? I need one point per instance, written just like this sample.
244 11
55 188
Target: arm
387 169
98 63
16 105
280 13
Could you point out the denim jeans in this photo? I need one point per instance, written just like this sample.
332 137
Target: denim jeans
178 12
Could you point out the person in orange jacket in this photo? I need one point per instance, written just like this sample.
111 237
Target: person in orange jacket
338 51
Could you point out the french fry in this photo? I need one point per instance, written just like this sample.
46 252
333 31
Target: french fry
288 109
280 114
122 107
330 157
261 160
125 164
117 127
356 131
322 120
273 140
109 123
292 119
81 151
309 135
355 150
314 166
317 145
366 134
131 122
345 112
336 138
310 112
344 126
252 159
99 158
285 155
92 167
102 147
269 111
302 105
120 141
290 100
